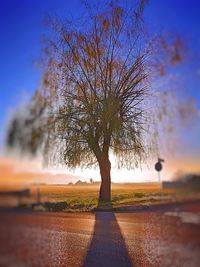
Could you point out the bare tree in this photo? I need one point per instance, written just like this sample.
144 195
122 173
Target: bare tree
94 92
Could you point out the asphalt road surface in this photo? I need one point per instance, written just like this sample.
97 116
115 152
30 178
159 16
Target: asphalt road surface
159 237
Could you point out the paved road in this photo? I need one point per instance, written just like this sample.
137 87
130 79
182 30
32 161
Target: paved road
162 237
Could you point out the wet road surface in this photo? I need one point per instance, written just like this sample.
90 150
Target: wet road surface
167 236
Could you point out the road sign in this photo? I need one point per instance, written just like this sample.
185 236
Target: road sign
158 166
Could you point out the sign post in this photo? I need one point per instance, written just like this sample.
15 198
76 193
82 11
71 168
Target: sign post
158 167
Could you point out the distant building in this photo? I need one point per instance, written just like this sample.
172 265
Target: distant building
79 182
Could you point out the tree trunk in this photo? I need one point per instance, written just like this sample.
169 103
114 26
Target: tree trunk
105 189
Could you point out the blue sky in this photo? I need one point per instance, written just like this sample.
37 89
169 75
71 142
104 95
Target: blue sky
22 27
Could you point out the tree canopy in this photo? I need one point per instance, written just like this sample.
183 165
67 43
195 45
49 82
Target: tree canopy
94 93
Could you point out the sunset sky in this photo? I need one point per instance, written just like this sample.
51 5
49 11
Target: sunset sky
21 31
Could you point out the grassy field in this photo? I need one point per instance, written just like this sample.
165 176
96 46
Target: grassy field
86 197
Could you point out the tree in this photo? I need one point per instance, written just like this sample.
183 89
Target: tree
93 95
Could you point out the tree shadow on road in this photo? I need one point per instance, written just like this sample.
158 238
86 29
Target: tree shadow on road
107 247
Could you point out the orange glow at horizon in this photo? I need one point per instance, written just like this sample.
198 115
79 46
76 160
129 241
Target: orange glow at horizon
26 171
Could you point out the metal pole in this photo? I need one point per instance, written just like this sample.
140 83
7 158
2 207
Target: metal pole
159 178
160 183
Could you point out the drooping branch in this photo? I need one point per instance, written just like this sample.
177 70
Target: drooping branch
95 88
